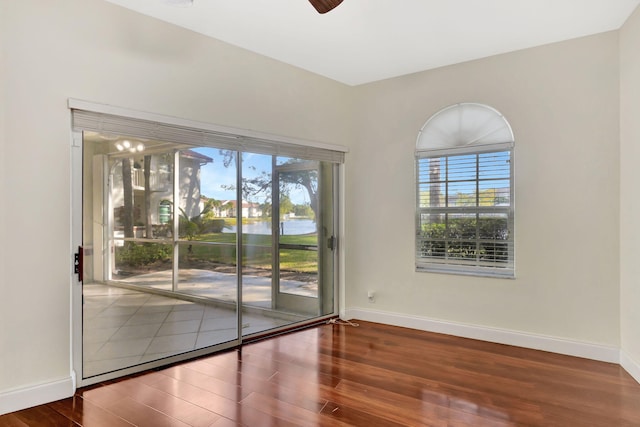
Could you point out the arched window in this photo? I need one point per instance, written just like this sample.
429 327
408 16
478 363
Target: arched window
464 192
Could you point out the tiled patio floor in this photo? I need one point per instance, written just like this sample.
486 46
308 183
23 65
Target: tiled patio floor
256 290
124 327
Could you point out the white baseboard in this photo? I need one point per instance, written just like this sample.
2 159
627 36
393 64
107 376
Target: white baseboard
16 400
502 336
630 365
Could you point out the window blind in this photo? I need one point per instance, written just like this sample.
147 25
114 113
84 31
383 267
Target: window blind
112 124
465 213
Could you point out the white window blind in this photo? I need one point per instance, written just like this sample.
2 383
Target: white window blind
465 220
464 186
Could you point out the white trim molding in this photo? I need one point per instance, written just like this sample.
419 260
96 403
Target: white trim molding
585 350
630 365
16 400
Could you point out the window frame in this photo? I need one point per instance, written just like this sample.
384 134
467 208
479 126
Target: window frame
464 129
457 265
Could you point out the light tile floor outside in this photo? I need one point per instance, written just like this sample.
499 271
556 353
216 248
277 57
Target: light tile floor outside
256 290
124 327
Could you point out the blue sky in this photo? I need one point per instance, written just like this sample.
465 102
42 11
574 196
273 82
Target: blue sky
494 171
215 175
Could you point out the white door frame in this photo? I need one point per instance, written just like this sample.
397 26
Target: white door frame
76 243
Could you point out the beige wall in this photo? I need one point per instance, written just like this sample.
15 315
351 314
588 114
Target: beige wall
3 178
630 187
562 101
93 50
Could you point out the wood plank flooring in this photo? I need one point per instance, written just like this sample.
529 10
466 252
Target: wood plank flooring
372 375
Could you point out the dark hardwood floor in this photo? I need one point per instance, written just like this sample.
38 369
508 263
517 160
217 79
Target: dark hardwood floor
372 375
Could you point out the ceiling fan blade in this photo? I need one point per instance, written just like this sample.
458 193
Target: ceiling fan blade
324 6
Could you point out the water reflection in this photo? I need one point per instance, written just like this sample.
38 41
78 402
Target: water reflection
290 227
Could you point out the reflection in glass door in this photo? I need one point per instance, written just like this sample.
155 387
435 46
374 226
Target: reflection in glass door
160 277
191 248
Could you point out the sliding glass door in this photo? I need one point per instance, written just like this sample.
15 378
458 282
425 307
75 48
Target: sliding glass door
191 248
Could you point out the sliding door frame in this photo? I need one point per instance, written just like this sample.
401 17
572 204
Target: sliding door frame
77 179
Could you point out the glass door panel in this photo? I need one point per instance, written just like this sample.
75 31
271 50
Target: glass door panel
138 237
160 282
207 264
189 247
257 245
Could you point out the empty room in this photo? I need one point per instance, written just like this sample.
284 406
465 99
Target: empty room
319 212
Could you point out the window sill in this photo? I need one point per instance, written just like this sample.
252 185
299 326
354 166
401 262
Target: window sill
477 272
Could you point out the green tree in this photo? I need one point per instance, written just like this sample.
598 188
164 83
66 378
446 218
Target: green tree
189 227
266 209
464 199
211 206
261 184
303 210
286 206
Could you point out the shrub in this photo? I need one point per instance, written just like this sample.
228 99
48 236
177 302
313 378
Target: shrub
142 254
457 239
213 225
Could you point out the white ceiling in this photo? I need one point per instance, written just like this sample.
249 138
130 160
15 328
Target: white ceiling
367 40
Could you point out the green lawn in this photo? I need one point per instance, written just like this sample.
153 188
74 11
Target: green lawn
220 247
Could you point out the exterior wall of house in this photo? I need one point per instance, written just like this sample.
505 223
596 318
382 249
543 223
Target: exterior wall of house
100 52
161 189
161 186
629 190
562 101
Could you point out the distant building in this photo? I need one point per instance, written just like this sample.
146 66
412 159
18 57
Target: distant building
161 187
227 209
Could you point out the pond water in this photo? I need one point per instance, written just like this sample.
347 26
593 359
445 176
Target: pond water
289 227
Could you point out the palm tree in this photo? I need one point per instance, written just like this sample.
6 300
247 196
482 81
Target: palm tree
434 188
